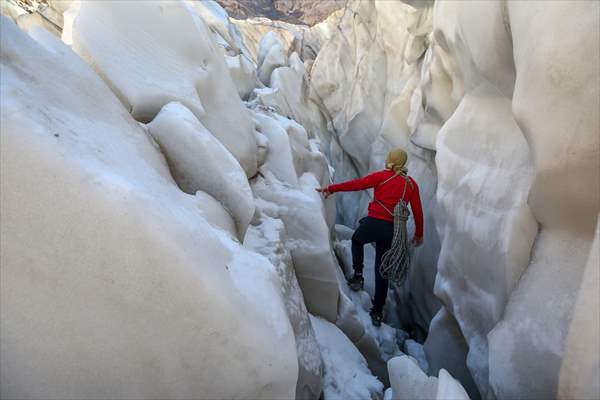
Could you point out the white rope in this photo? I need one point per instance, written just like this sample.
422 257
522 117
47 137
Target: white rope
396 261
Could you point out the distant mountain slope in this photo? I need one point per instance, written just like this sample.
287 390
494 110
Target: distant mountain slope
308 12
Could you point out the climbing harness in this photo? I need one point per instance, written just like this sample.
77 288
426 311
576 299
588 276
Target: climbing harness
396 261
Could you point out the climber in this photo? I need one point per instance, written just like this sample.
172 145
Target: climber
378 227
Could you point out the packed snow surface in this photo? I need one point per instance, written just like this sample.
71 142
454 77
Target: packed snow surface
346 373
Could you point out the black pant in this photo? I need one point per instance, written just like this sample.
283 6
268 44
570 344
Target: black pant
380 232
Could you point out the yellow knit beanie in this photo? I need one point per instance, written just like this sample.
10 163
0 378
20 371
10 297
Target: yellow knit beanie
396 161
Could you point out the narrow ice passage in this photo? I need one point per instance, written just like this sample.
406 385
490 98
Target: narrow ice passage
161 235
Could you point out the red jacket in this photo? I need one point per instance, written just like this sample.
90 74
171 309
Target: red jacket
389 194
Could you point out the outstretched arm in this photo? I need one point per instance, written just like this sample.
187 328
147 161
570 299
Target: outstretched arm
417 209
366 182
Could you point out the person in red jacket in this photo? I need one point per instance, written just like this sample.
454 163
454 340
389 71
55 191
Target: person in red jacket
378 227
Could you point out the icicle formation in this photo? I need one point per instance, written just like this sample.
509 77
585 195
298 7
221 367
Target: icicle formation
396 261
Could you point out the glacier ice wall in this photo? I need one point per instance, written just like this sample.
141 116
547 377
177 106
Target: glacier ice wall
113 284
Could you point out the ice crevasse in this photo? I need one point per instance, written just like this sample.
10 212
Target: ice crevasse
161 236
498 114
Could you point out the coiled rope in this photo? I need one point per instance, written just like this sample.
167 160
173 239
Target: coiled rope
396 261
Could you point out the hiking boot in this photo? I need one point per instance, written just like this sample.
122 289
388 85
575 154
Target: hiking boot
376 317
356 283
